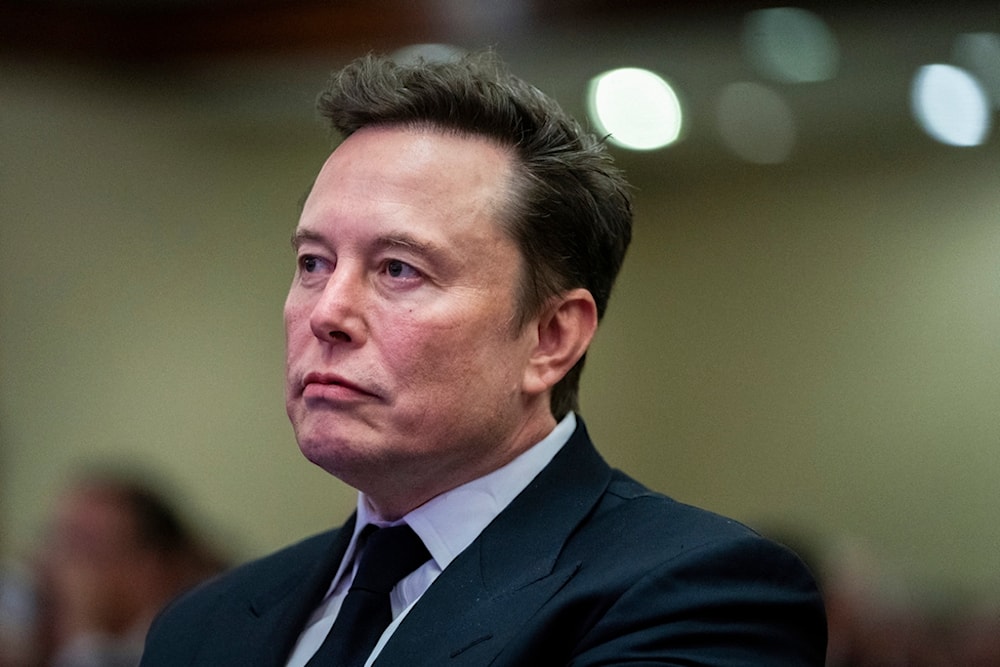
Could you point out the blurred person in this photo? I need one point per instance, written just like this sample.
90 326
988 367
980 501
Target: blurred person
17 616
874 617
454 256
977 636
115 553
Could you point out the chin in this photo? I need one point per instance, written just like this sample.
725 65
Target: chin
336 456
332 461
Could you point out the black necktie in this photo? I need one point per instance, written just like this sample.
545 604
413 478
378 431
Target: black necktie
389 555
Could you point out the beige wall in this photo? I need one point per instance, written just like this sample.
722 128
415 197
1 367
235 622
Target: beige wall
812 346
145 257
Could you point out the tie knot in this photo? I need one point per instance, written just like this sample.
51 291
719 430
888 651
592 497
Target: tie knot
389 555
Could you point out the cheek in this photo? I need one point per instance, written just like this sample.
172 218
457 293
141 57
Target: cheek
462 360
412 349
296 326
420 352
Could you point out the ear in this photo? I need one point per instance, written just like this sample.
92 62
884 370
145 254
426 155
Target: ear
565 329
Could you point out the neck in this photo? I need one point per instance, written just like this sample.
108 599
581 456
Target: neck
392 496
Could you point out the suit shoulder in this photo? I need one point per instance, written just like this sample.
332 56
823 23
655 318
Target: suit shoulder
214 619
286 562
195 607
628 496
300 554
667 528
710 575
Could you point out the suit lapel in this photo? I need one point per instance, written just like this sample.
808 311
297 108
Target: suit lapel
480 601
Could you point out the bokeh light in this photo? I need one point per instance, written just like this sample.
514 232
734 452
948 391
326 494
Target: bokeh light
756 123
951 105
979 52
790 45
637 108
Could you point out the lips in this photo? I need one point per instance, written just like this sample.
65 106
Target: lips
331 385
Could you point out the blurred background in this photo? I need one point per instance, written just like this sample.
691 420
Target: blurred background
804 336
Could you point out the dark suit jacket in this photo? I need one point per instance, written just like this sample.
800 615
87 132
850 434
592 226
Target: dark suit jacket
585 567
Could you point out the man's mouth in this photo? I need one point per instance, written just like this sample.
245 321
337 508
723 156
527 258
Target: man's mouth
330 385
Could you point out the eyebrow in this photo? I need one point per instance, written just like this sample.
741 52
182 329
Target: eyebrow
408 241
300 236
389 241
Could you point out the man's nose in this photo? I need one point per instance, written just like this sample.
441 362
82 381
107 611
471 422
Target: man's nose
338 315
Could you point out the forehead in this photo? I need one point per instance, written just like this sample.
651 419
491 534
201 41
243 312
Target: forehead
417 167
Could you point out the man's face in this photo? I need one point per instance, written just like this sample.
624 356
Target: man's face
404 369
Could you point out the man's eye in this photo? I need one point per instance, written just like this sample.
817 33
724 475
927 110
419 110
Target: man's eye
399 269
309 263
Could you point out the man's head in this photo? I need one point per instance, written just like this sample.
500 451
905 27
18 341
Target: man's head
570 211
454 256
115 553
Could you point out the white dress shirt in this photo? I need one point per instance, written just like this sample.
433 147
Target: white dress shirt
447 524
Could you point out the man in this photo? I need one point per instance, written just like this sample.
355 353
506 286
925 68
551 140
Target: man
115 554
453 259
